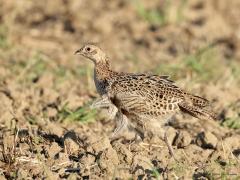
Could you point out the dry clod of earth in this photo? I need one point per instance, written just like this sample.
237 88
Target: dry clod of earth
53 150
71 146
206 140
172 134
141 166
125 155
182 139
108 160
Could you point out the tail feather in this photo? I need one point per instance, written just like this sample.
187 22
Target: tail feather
198 101
197 111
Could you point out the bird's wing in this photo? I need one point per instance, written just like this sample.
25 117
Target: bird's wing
145 94
131 102
167 85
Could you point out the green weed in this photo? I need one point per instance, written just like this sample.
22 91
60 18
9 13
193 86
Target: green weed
136 60
204 66
3 37
207 65
160 16
155 173
32 69
61 74
179 168
235 69
37 69
80 71
193 63
180 16
215 169
233 123
82 114
153 16
32 120
225 172
176 70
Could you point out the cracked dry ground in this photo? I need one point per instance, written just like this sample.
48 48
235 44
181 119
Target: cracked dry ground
46 127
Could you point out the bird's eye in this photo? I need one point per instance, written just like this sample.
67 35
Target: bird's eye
88 49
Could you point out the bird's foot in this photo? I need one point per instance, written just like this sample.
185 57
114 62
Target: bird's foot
143 144
122 123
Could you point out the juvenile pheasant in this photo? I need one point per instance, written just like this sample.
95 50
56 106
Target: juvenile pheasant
151 99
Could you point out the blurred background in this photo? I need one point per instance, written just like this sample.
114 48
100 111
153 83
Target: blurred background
195 42
44 86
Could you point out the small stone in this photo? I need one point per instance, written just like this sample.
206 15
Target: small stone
140 165
101 145
22 173
53 150
206 140
54 129
71 142
236 152
70 146
182 139
88 159
108 160
230 145
62 173
62 157
51 112
123 153
232 142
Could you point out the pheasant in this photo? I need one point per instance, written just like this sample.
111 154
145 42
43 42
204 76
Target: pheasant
151 99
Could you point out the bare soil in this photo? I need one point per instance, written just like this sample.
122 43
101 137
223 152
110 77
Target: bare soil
46 127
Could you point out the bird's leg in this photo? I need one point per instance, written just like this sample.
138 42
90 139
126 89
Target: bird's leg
165 139
169 146
112 111
142 144
160 129
104 102
122 123
170 149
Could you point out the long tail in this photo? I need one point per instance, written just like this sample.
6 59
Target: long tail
197 101
197 112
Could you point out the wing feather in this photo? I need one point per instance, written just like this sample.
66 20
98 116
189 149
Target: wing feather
145 94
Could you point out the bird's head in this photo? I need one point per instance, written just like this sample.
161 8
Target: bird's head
93 53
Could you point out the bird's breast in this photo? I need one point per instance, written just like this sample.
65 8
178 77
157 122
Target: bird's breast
101 85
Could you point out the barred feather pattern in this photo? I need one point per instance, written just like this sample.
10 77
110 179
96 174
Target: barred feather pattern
143 95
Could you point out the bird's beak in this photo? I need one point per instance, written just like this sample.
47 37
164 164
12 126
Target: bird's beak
77 52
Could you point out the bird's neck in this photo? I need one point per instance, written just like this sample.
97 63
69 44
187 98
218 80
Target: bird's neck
102 70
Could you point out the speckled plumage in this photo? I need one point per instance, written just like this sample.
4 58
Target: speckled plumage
142 95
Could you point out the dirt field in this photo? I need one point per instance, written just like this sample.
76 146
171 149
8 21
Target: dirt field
48 131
